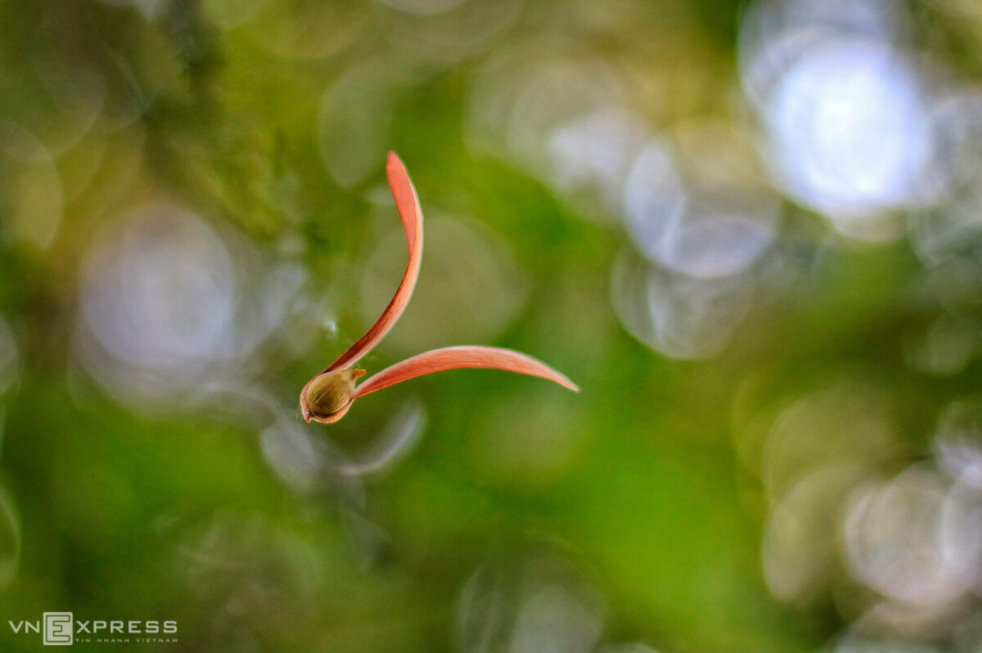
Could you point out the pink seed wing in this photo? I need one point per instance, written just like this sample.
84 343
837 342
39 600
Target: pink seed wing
407 203
452 358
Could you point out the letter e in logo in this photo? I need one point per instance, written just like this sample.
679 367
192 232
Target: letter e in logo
58 629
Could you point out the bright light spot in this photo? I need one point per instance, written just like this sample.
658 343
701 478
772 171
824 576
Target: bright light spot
163 296
595 153
958 441
158 302
552 620
699 231
393 444
844 424
679 316
522 97
953 229
853 642
944 348
850 130
293 454
800 545
775 33
544 606
897 544
168 308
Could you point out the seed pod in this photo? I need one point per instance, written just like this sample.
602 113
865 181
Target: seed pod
326 397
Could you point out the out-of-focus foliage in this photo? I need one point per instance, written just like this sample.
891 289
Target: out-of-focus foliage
750 231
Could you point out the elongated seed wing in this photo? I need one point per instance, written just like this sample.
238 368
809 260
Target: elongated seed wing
452 358
407 203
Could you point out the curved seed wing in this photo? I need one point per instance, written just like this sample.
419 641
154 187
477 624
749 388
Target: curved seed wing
469 356
407 203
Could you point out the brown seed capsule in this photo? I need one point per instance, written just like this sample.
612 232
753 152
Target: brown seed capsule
327 396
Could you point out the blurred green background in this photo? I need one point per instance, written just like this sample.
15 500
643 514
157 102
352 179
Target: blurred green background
751 232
